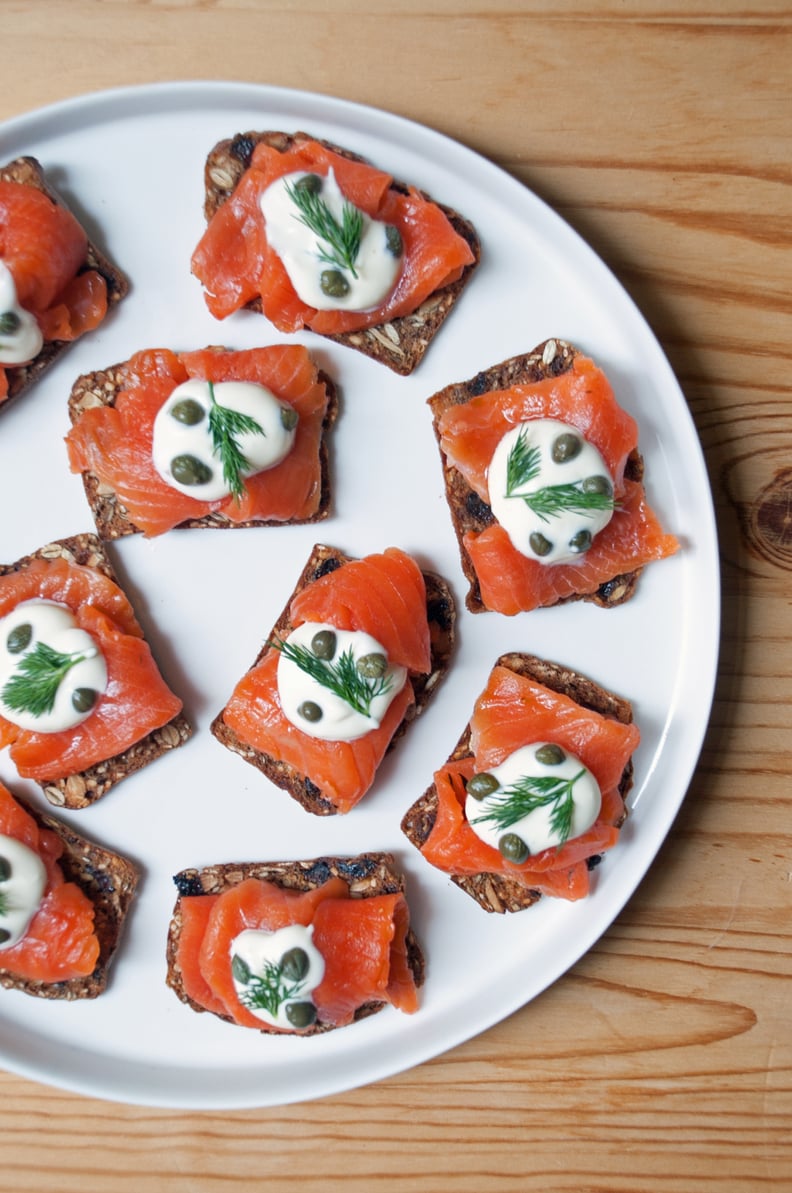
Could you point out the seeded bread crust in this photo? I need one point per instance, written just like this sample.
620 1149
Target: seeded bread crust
28 171
496 892
83 788
401 343
113 520
110 881
367 874
442 624
469 513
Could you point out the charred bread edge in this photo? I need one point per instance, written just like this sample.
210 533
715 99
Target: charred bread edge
551 358
495 892
28 171
367 874
82 788
110 881
442 616
401 343
113 521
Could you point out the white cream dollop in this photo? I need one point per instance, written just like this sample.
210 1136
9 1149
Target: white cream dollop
276 973
23 879
20 335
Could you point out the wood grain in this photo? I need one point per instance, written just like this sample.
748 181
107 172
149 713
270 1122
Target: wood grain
663 1060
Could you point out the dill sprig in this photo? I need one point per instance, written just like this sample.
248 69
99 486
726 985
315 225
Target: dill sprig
506 808
522 466
224 427
34 685
267 991
342 239
341 677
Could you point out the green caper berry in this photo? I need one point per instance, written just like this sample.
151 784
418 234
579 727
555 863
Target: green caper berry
372 666
513 848
189 470
5 869
9 323
188 411
393 240
83 699
301 1014
481 785
309 184
597 484
4 935
310 711
550 755
19 638
566 447
333 283
289 418
240 969
580 542
539 544
294 964
323 644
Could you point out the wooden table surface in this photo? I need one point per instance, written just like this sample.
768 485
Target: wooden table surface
661 132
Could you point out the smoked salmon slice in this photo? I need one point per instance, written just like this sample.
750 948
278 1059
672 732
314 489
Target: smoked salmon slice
363 943
60 942
515 710
236 264
112 443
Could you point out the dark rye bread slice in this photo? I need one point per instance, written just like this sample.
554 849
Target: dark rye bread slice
113 520
28 171
400 343
82 788
109 881
469 513
496 892
441 613
366 875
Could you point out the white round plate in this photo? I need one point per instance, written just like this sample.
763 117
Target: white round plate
131 164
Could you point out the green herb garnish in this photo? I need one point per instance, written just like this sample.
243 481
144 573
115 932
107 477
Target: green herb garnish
341 677
342 239
522 466
506 808
39 674
224 427
267 991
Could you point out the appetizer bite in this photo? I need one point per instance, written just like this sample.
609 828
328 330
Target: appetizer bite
82 702
295 947
313 236
55 285
533 793
543 479
352 660
63 903
211 438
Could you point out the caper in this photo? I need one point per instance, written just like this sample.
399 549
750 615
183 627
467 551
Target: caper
289 418
539 544
9 323
4 935
310 711
481 785
189 470
372 666
301 1014
240 969
188 411
580 542
513 848
597 484
323 644
5 869
20 638
566 447
333 283
550 754
83 699
393 240
294 964
309 184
